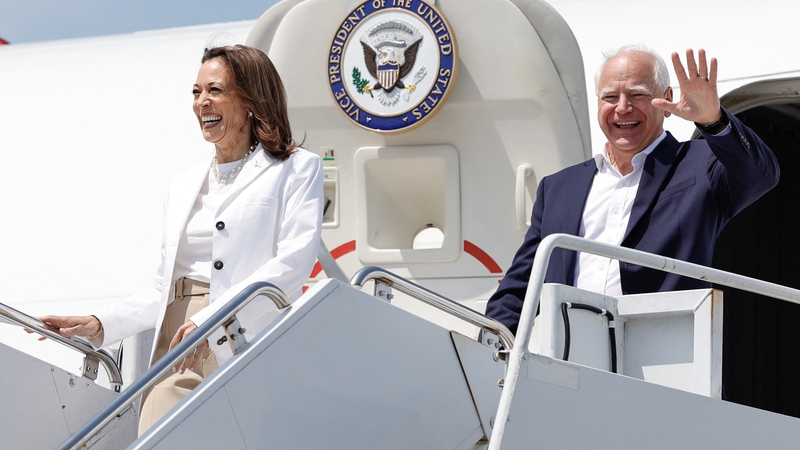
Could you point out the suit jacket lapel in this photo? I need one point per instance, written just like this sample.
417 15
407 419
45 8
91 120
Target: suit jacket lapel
185 191
657 167
576 194
257 164
575 202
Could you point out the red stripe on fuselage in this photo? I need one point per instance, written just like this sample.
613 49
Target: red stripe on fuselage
482 256
470 248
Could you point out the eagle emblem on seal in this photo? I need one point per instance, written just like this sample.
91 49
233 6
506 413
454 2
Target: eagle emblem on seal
390 50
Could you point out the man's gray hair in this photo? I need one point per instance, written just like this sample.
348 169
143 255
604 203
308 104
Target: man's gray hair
660 71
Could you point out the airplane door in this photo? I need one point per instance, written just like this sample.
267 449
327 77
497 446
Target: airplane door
436 121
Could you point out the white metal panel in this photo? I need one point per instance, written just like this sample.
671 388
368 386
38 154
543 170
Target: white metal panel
42 405
675 339
588 408
671 338
339 366
213 426
28 382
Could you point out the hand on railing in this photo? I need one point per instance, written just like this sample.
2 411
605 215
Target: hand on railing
173 358
68 326
192 359
92 357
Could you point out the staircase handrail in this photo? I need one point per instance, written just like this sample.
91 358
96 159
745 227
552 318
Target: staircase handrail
91 356
433 299
222 318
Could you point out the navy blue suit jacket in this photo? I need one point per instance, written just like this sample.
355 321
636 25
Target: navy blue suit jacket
687 193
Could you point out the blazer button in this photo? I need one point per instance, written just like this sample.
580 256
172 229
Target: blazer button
220 225
218 265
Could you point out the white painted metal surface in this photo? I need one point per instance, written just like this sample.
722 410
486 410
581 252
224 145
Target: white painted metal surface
291 389
43 404
673 339
563 405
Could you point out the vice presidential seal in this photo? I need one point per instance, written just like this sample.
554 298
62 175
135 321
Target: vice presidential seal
392 64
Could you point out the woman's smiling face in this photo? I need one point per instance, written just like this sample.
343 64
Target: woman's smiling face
219 109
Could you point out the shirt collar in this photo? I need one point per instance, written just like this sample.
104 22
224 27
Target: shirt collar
637 160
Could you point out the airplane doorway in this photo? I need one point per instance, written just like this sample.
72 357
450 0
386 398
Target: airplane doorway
761 336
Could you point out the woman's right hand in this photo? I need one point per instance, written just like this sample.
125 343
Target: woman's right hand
69 326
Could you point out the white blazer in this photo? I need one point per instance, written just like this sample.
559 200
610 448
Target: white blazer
273 220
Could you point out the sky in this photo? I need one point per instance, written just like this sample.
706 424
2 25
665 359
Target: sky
24 21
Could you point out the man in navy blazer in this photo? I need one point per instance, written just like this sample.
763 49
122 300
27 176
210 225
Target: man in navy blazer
646 190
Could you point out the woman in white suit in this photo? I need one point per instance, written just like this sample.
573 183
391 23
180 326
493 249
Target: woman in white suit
251 212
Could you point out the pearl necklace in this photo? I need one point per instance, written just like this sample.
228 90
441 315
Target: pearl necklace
224 179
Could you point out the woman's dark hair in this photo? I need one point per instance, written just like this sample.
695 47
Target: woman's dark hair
257 82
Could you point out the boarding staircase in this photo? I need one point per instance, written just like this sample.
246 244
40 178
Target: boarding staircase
42 404
344 368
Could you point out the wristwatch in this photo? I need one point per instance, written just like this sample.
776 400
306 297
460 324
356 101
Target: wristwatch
716 127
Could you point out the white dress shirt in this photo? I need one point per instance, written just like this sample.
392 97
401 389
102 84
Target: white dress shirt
605 219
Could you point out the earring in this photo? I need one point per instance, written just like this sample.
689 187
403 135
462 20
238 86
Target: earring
250 114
